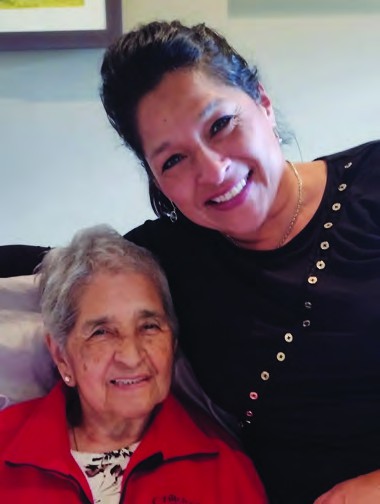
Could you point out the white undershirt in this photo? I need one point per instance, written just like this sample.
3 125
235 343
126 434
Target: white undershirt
104 472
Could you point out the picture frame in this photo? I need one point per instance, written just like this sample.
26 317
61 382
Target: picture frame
69 35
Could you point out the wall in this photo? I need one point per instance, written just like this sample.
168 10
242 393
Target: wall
62 167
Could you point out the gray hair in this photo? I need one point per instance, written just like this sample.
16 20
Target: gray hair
64 272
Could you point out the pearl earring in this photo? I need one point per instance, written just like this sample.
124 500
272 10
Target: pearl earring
67 378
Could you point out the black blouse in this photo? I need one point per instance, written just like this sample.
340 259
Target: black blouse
286 340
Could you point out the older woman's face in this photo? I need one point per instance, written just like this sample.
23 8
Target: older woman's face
120 352
212 151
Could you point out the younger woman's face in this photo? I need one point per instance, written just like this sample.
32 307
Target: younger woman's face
212 151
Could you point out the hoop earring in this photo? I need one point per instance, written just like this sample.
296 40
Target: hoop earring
173 214
277 135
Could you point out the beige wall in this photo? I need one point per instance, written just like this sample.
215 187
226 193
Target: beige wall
213 12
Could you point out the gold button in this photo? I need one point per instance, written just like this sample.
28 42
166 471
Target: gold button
336 207
312 280
307 305
342 187
280 356
325 245
265 375
306 323
348 165
328 225
288 337
321 265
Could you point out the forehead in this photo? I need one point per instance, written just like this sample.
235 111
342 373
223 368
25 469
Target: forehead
181 95
194 83
110 290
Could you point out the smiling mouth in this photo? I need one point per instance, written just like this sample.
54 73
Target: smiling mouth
232 193
128 381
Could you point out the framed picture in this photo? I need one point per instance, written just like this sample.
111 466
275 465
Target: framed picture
58 24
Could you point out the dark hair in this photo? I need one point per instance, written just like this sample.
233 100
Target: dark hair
136 63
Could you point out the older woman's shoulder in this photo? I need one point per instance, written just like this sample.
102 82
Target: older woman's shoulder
13 417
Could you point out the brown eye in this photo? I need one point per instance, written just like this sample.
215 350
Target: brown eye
150 328
172 161
99 332
220 124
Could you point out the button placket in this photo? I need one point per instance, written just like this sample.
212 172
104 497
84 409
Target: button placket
319 266
324 245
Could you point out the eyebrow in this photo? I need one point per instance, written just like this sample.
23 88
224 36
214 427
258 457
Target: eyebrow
90 324
144 314
209 108
140 314
160 149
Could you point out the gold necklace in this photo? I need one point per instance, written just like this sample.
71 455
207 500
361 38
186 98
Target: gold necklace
298 207
75 438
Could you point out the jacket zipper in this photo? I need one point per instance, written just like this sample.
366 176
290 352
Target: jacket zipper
83 497
155 461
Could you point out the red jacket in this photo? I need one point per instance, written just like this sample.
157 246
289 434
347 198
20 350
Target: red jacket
176 462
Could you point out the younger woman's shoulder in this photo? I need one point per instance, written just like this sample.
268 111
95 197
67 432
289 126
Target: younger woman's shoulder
165 238
359 153
148 232
18 260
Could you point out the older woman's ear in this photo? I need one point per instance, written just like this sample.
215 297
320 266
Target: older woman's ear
60 359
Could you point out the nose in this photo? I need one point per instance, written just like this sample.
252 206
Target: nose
130 352
211 165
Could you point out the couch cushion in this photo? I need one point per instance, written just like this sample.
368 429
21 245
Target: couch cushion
26 369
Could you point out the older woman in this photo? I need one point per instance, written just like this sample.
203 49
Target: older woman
273 265
110 432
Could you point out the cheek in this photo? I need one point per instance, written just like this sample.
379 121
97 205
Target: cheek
90 359
178 186
161 356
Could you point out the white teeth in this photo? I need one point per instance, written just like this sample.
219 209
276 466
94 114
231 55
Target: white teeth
232 192
127 382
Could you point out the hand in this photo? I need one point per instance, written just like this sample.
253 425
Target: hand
363 489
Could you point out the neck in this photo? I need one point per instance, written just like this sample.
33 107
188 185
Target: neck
282 222
95 435
297 209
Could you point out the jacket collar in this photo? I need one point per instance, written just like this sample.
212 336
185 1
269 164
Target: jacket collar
43 437
43 440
